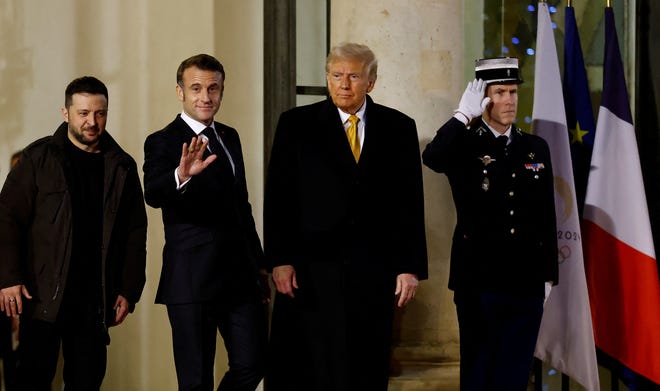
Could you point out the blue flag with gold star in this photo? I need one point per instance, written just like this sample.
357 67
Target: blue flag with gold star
579 112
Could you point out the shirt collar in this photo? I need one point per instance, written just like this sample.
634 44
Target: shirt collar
360 113
498 134
195 125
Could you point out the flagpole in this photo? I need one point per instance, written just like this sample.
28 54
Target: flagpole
608 3
570 3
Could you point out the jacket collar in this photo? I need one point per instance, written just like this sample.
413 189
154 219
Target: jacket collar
108 144
335 134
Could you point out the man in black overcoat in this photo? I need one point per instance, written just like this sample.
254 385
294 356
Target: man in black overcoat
344 232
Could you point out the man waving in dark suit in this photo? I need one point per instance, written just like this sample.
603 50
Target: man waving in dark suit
211 278
344 232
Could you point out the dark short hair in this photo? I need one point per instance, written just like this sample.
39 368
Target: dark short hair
202 61
85 84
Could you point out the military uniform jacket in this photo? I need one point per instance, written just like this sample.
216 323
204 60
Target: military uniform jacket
505 236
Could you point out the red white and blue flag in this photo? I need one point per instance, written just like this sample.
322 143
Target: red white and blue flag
622 272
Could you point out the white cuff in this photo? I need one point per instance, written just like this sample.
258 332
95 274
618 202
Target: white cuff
459 115
179 186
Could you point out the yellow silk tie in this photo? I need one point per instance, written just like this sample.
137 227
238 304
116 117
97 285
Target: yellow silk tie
353 139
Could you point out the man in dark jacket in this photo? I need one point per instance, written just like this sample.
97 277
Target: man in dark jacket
211 279
72 243
504 250
343 230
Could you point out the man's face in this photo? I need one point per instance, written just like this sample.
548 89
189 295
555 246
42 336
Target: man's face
86 117
201 93
348 83
501 111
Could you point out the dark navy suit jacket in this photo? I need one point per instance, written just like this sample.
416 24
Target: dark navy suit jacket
211 244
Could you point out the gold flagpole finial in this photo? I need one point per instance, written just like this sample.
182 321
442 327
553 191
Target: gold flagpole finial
608 3
570 3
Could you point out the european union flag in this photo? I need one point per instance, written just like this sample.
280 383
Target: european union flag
579 112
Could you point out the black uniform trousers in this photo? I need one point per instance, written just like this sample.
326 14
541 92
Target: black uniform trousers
498 335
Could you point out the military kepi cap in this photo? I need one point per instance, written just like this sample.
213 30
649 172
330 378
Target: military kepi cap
502 70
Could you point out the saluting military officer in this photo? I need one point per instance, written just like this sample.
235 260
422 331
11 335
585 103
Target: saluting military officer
504 251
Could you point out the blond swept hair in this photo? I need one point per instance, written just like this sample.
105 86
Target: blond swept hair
353 51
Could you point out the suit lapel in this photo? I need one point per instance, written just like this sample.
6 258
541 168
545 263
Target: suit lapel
334 137
187 133
233 148
373 121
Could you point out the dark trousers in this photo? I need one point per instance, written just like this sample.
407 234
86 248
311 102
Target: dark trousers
84 350
7 353
498 334
335 335
243 327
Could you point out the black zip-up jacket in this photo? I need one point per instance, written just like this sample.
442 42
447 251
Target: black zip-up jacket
36 227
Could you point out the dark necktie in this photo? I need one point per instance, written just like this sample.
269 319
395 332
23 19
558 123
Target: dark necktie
214 144
216 148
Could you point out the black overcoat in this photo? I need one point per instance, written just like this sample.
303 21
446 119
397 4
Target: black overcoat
365 219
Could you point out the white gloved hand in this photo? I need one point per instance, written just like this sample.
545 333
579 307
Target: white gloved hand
472 102
548 288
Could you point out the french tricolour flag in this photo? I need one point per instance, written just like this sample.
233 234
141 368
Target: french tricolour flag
622 272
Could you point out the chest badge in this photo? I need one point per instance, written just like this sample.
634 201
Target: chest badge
535 167
486 160
485 184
